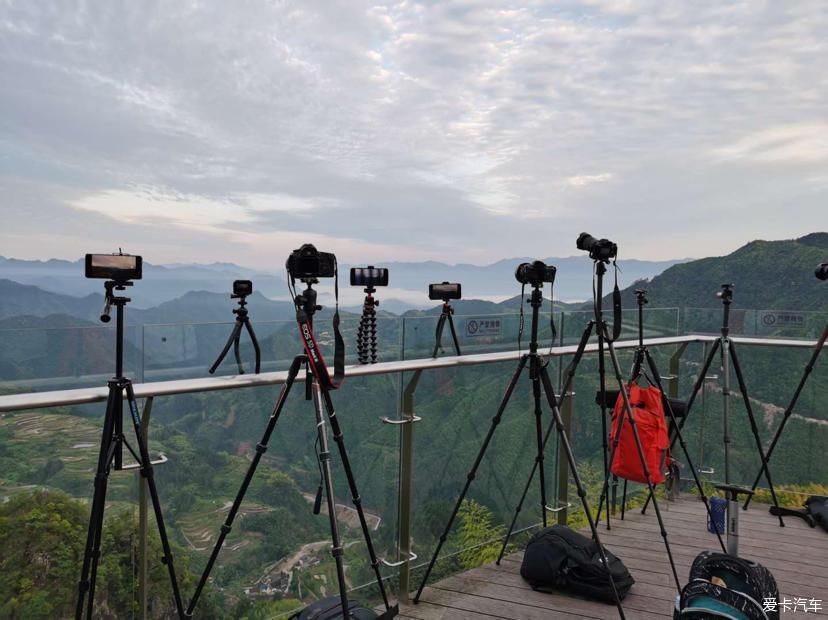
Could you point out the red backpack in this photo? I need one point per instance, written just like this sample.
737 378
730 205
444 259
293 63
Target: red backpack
648 411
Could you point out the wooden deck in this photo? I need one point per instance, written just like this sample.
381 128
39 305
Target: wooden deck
796 555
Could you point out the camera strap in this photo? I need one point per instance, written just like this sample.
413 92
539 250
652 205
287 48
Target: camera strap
616 305
315 359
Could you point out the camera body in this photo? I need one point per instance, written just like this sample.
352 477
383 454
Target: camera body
115 267
535 273
444 291
242 288
603 250
822 271
369 277
308 262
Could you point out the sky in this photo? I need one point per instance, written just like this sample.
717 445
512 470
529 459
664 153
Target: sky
457 131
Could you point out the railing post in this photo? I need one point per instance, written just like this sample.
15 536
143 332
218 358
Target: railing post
563 465
406 475
143 494
675 365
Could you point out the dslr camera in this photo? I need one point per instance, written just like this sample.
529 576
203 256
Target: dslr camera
535 273
603 250
308 262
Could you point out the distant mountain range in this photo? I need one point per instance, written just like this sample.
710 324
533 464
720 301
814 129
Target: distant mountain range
408 281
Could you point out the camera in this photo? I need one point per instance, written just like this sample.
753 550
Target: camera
822 271
603 250
369 276
308 262
116 267
535 273
242 288
444 291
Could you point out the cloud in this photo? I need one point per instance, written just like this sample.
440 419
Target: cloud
467 130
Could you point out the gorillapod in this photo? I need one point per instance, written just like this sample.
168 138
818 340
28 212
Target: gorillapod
541 382
367 332
321 400
242 321
111 453
445 316
642 355
789 410
729 357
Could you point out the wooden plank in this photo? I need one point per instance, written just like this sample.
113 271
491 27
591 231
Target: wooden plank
428 611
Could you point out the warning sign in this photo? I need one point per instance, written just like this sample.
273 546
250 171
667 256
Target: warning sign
483 327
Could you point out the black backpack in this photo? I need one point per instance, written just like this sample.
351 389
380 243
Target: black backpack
747 586
560 558
815 511
331 609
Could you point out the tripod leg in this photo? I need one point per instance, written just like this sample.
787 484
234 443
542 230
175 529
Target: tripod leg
808 369
454 335
473 472
631 419
534 370
237 352
92 548
754 428
232 338
573 469
624 501
696 389
255 341
325 463
602 386
570 376
339 439
261 448
657 378
438 335
148 473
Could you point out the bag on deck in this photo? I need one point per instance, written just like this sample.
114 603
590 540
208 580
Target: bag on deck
331 609
724 586
558 557
648 412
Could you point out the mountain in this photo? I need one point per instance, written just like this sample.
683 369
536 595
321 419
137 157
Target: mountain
771 275
408 281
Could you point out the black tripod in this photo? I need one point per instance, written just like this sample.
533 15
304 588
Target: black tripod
445 316
541 382
242 321
729 356
367 332
111 453
808 369
642 355
321 398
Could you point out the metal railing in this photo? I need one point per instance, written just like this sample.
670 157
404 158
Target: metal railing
150 391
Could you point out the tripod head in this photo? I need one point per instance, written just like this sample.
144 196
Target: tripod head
306 300
726 294
641 297
110 298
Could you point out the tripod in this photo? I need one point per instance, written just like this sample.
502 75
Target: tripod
445 316
729 356
541 382
789 410
367 332
321 399
642 355
111 453
242 321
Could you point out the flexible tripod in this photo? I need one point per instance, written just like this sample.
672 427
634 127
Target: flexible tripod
111 454
321 399
729 357
642 355
367 332
789 410
242 321
445 316
541 382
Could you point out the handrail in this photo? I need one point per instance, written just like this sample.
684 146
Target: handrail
37 400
